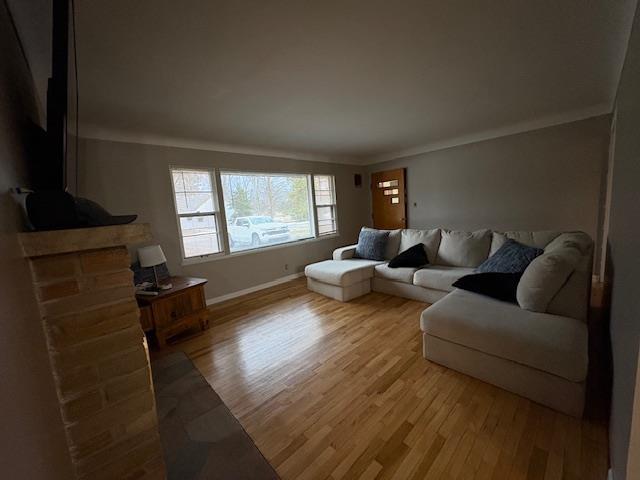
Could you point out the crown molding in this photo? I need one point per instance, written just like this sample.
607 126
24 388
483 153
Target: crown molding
95 132
537 124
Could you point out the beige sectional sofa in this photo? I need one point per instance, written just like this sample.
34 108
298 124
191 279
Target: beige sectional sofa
539 351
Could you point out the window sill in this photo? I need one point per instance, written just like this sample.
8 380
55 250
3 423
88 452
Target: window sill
222 256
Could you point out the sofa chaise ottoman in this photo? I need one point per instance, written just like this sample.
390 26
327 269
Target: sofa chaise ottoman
342 281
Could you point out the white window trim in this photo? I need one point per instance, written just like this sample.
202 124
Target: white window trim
219 214
254 251
334 205
215 213
309 178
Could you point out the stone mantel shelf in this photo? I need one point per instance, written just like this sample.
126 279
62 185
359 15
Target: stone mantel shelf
54 242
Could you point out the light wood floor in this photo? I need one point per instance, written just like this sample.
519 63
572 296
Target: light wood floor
332 390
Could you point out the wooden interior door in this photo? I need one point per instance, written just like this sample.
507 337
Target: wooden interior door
388 199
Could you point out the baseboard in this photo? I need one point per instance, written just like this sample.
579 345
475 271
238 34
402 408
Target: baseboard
262 286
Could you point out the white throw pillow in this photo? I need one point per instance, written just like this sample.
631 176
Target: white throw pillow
545 275
429 238
463 249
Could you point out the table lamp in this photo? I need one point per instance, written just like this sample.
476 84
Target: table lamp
152 256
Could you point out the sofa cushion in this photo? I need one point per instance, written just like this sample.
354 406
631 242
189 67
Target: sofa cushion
463 249
393 241
438 277
498 285
415 257
544 276
430 239
341 272
554 344
402 274
372 244
511 257
538 239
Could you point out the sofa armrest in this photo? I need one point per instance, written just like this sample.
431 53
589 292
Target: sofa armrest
344 253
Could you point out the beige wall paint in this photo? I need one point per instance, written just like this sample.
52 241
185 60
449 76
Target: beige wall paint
624 262
548 179
134 178
32 441
553 178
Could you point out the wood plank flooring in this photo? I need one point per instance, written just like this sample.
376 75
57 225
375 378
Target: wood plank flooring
331 390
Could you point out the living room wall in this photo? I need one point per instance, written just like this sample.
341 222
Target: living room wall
134 178
623 264
32 441
548 179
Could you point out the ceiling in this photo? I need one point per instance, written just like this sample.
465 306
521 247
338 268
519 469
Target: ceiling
358 80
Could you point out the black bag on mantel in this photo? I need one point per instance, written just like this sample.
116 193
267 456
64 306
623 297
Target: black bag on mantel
58 210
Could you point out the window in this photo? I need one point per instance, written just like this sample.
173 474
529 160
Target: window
387 184
266 209
325 204
224 212
195 202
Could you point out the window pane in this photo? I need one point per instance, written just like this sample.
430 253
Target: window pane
199 235
387 184
191 181
266 209
323 185
200 245
326 220
326 227
194 202
322 182
323 198
325 213
178 180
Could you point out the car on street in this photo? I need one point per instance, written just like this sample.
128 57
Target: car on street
255 230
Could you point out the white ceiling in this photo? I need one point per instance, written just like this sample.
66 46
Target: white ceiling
363 79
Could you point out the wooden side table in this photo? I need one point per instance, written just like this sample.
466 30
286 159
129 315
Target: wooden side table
175 310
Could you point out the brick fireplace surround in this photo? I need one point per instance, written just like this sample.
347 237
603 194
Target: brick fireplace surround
97 350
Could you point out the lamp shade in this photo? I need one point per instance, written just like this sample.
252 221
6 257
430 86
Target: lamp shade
151 256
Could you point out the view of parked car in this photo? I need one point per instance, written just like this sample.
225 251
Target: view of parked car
256 230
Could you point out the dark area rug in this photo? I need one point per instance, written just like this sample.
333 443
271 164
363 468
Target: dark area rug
201 439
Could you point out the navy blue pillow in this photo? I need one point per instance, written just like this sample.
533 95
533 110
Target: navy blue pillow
372 244
414 257
501 286
512 257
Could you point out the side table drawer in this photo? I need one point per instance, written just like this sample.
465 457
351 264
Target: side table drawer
146 318
173 308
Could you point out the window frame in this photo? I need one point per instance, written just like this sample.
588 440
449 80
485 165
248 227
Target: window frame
311 202
215 213
219 213
333 205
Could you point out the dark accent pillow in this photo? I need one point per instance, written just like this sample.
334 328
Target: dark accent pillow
413 257
511 257
501 286
372 244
